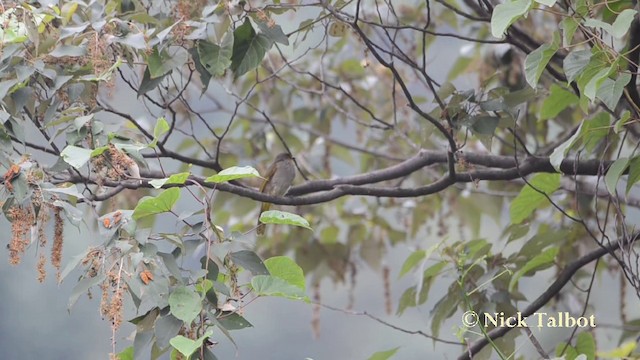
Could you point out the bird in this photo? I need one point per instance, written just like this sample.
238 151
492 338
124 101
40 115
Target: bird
277 182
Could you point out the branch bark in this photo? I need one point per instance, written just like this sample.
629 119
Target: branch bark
493 167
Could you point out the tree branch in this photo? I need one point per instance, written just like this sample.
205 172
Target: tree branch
321 191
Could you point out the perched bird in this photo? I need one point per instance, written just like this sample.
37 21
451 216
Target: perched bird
277 182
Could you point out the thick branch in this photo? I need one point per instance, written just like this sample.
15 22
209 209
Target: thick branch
494 167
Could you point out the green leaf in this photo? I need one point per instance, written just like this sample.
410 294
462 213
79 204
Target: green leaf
126 354
160 36
619 27
21 189
284 218
162 126
83 286
12 30
266 285
595 129
170 262
541 240
384 355
205 76
233 321
99 151
434 270
529 199
459 67
493 105
203 286
594 83
273 32
412 261
224 330
134 40
444 309
598 24
147 84
351 69
248 48
146 321
621 352
582 7
506 14
614 172
165 328
155 205
537 60
155 62
408 299
634 173
76 156
145 18
185 304
72 264
559 99
211 267
610 91
586 345
567 351
68 50
233 173
286 269
623 22
179 178
515 98
249 260
569 26
417 295
624 118
5 86
485 125
593 75
561 151
81 121
187 346
575 63
539 262
216 59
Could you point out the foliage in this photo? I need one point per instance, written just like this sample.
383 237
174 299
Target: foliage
128 116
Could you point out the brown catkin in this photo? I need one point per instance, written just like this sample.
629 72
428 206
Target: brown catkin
315 314
115 311
104 301
43 218
42 272
388 305
58 238
21 221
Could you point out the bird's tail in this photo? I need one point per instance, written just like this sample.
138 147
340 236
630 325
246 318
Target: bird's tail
261 226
